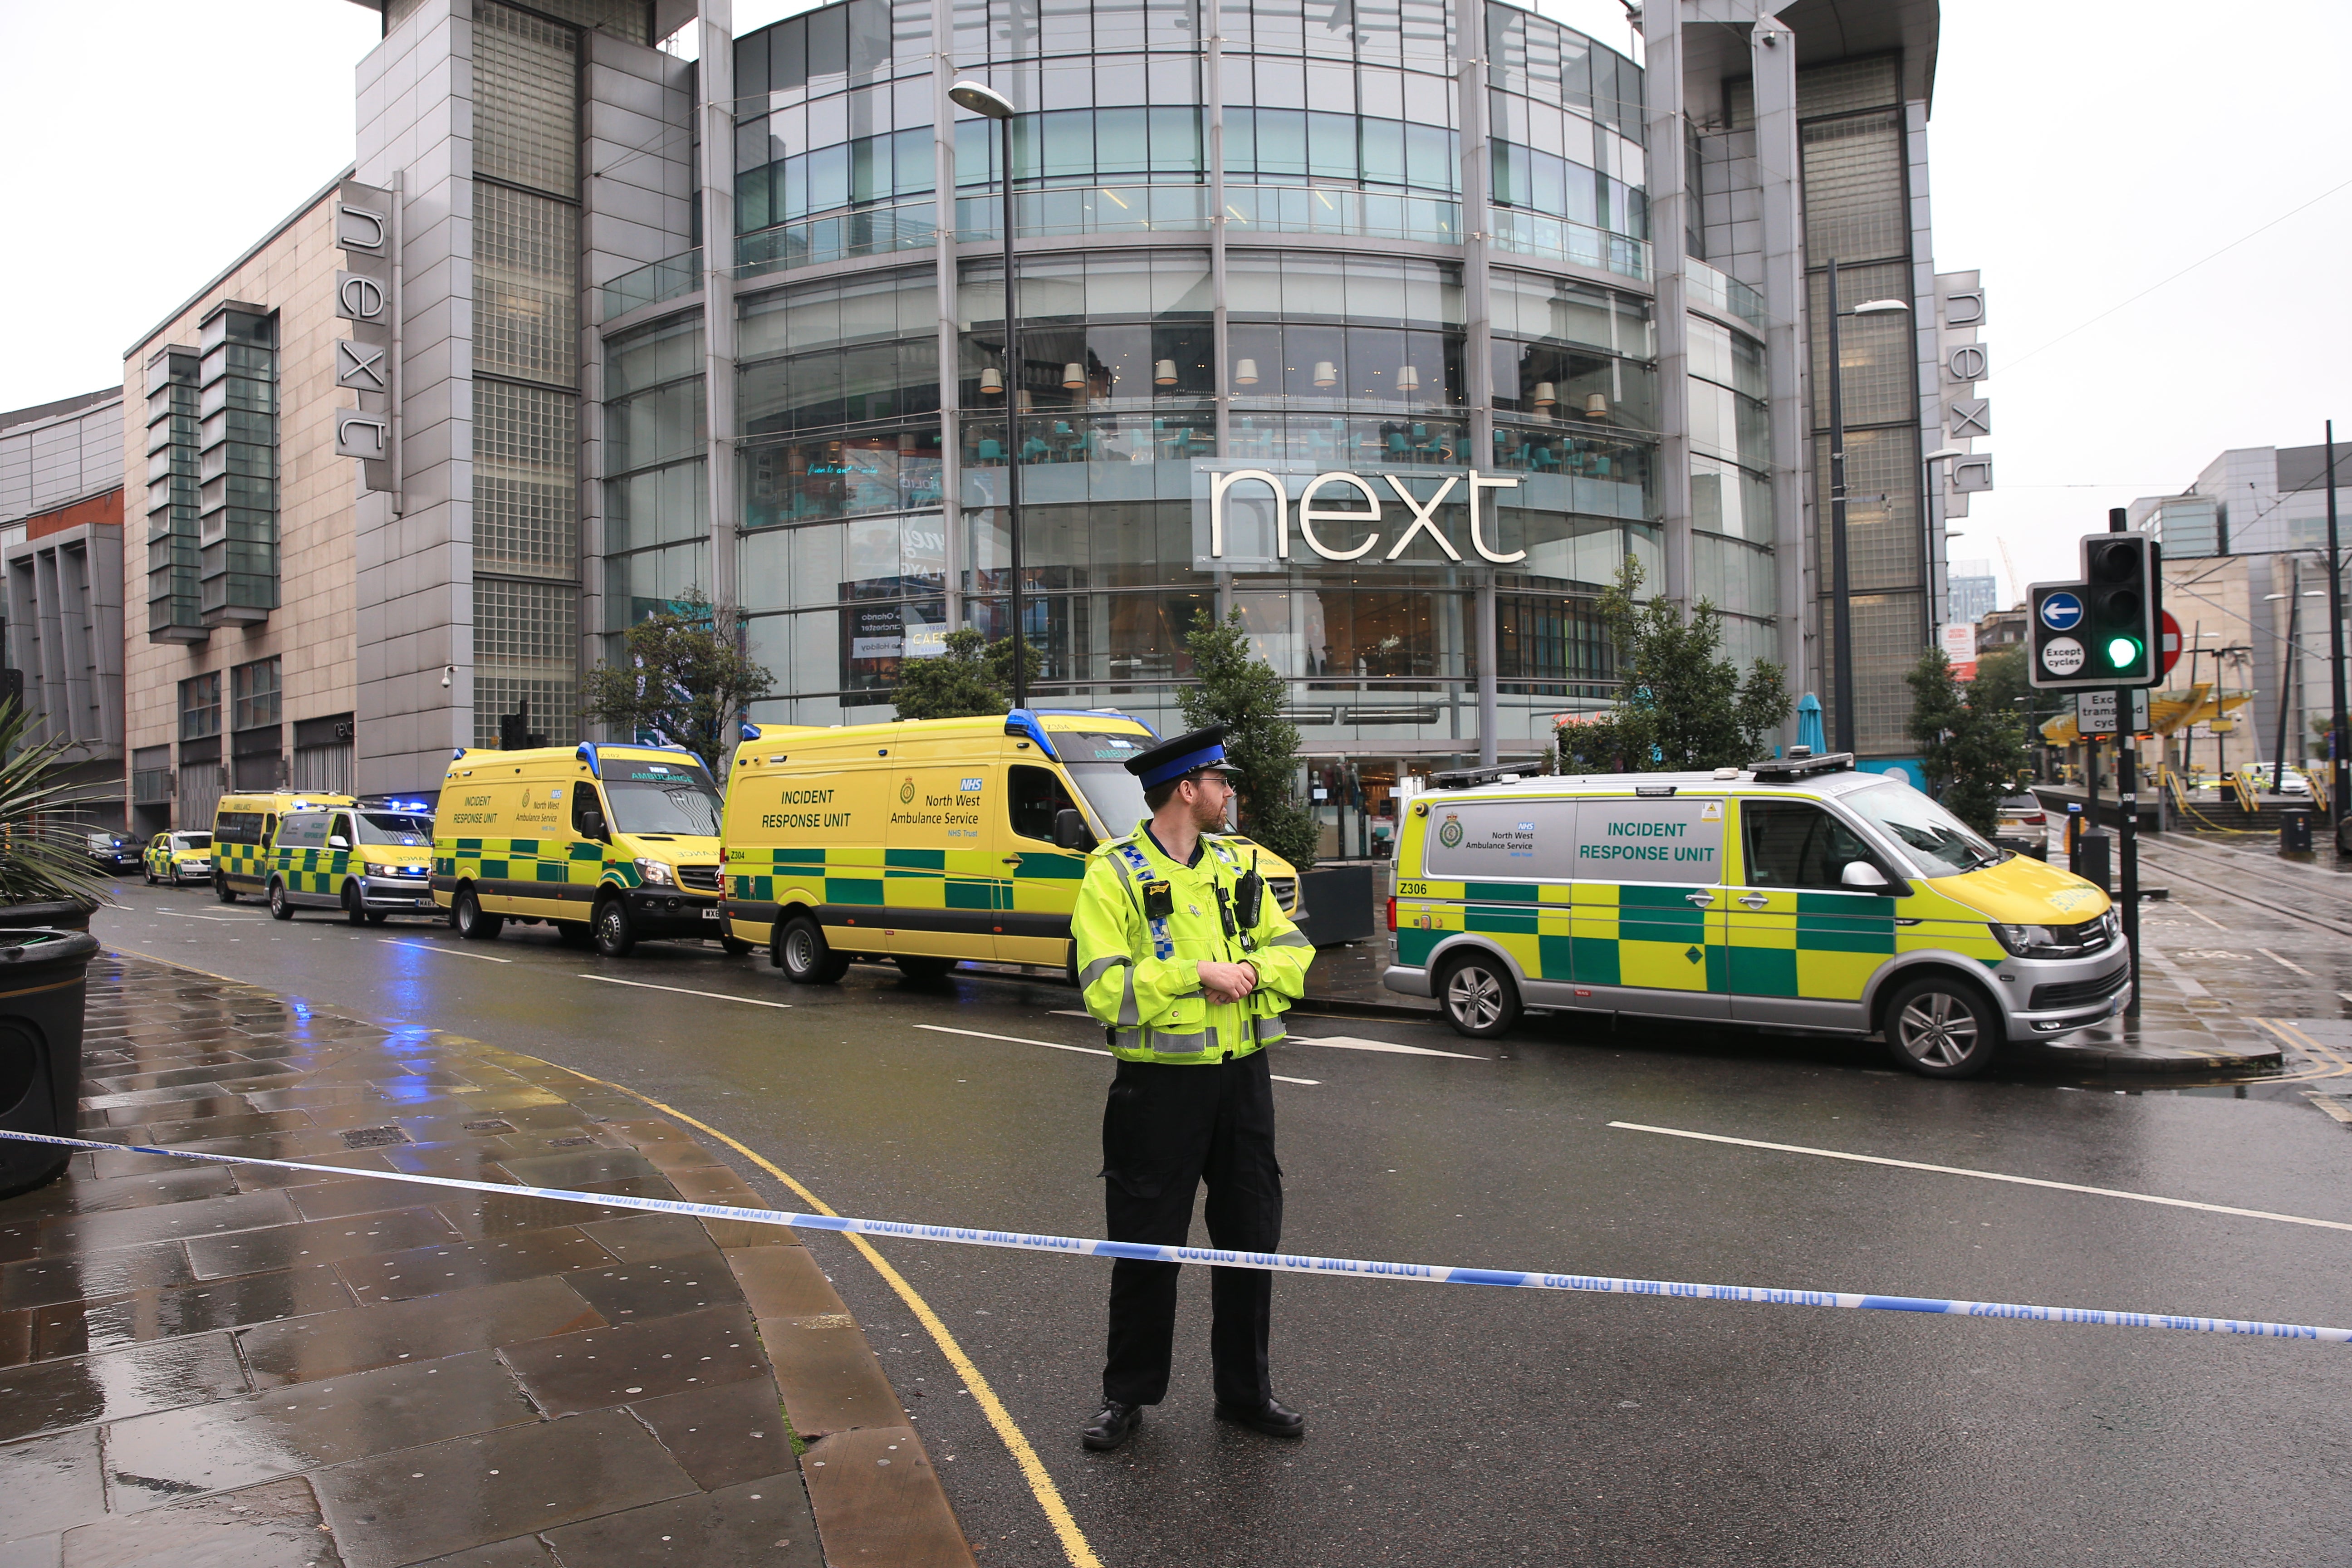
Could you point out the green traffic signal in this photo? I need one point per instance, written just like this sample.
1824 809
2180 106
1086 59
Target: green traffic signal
2123 653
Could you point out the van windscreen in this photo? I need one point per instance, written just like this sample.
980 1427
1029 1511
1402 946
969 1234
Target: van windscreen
1937 842
394 827
1115 795
678 803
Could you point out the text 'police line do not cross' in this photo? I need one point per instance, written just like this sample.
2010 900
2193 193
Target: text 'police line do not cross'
2109 630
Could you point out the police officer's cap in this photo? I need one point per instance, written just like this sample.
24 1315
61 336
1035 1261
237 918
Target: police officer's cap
1171 760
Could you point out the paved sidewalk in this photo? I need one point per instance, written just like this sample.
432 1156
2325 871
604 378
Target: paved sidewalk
216 1365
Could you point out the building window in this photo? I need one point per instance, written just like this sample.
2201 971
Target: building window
200 706
172 613
253 691
237 440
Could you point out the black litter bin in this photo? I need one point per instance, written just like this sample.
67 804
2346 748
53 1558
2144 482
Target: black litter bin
2294 833
40 1048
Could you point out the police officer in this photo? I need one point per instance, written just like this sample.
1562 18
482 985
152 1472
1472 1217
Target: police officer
1189 966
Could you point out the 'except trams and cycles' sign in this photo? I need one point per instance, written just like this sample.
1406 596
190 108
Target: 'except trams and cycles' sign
2097 712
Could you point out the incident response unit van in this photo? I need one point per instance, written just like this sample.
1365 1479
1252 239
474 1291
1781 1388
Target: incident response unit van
368 861
620 843
1798 894
245 829
931 841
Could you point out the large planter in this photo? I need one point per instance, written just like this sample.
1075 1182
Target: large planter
1335 904
48 915
41 995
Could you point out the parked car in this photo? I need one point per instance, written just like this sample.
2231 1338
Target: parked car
2023 826
183 857
2258 779
113 851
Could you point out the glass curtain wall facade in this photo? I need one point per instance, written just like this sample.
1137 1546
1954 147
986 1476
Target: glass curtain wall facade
1345 315
1857 209
175 613
526 370
236 412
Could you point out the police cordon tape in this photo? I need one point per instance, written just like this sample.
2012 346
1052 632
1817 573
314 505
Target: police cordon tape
1272 1262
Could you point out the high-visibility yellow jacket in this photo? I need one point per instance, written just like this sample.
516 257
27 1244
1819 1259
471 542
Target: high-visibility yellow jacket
1140 976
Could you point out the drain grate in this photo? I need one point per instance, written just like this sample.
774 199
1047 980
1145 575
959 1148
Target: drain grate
489 1126
569 1143
373 1137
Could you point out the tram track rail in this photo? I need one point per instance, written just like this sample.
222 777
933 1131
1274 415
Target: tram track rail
2201 859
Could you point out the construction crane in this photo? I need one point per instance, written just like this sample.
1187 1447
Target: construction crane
2016 585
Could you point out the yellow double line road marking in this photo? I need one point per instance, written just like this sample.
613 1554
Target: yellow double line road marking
2293 1036
1032 1469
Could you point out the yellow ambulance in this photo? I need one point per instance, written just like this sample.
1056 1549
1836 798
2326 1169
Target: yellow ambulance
1797 894
615 843
929 842
244 836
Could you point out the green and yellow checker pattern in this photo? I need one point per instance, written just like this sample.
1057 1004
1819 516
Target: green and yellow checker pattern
529 868
1746 941
245 866
1042 881
311 870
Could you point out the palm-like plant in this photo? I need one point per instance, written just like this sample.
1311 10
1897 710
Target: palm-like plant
42 854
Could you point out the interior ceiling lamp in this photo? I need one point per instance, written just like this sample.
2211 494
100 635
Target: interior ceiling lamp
1408 379
1596 406
1074 377
1245 372
1326 374
991 382
1163 373
1547 395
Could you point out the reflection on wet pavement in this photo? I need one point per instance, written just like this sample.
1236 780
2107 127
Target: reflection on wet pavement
205 1364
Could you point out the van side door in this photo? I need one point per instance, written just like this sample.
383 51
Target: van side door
1647 917
1041 879
1804 945
939 874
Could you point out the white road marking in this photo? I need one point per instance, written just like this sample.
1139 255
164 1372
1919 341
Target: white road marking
1986 1176
1058 1046
217 919
2209 920
2346 995
448 952
714 995
1351 1043
2289 962
2331 1105
2171 970
1339 1042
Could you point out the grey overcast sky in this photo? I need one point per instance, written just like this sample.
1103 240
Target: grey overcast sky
2080 155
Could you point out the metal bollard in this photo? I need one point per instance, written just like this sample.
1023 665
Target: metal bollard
2294 833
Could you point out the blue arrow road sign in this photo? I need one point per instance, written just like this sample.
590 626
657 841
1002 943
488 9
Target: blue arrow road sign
2061 612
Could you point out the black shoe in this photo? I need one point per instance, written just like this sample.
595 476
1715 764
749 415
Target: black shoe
1115 1425
1274 1418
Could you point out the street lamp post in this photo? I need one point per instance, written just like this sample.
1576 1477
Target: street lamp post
1840 575
2339 727
984 100
1934 616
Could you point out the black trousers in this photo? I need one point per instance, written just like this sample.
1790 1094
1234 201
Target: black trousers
1164 1129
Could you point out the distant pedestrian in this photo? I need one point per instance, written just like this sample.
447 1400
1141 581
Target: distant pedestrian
1189 966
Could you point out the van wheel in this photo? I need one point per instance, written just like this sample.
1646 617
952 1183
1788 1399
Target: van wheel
280 906
354 906
915 966
1941 1028
733 946
1479 996
473 923
804 956
222 890
615 935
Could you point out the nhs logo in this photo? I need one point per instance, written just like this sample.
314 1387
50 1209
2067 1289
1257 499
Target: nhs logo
969 786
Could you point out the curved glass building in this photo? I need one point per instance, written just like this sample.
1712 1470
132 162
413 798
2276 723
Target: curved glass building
1256 246
1394 327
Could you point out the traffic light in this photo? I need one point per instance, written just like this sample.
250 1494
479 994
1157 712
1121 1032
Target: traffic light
2101 632
2119 572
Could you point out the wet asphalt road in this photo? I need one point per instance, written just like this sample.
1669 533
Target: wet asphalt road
1459 1424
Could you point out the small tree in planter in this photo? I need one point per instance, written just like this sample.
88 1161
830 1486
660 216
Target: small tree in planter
1241 692
45 878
